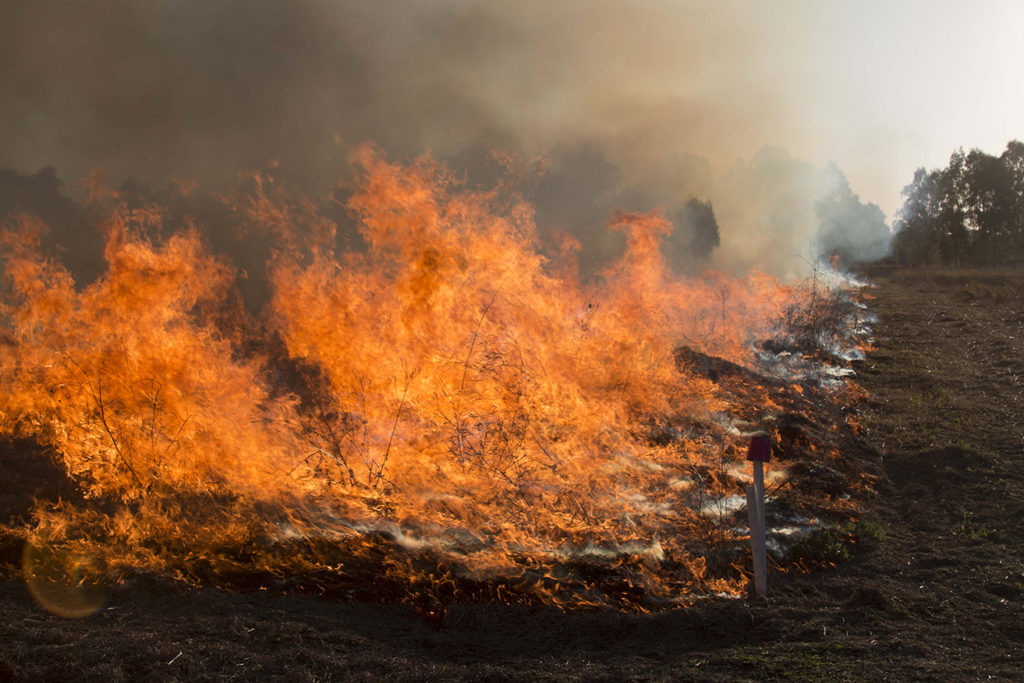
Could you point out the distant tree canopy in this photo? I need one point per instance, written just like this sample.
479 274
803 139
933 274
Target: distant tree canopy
70 237
695 235
969 213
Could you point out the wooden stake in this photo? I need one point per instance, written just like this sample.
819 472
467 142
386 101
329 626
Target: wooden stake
759 452
760 553
756 543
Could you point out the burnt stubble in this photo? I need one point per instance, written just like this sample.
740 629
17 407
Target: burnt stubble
939 595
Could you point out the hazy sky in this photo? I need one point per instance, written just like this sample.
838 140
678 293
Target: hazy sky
159 88
900 85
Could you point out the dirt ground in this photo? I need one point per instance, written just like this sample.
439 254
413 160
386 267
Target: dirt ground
940 596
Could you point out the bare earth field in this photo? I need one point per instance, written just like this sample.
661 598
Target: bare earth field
939 596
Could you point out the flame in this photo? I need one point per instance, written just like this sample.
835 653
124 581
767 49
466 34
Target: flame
449 388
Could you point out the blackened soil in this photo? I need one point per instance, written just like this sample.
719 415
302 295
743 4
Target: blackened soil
940 596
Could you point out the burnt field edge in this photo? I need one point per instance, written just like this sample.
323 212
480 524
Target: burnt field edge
946 503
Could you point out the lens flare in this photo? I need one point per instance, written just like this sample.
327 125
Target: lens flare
63 582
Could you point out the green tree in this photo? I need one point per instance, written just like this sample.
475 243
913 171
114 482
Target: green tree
971 212
917 239
1013 160
950 227
695 235
989 206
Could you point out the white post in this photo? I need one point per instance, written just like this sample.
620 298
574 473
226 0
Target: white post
758 546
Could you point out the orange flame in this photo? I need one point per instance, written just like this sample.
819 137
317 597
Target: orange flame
458 392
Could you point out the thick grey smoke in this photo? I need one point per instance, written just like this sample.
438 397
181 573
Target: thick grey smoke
187 89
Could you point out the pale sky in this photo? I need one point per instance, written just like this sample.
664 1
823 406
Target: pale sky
199 89
907 83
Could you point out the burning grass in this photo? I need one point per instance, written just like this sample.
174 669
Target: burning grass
447 414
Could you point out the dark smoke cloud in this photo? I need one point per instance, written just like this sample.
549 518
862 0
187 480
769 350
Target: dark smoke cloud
634 105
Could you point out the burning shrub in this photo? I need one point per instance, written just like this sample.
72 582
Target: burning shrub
122 378
452 395
819 323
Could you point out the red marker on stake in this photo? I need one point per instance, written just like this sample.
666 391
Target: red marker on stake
759 452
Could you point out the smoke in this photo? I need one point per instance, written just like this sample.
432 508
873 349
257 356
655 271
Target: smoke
635 106
794 213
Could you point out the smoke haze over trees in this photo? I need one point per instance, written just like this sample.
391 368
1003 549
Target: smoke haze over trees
200 91
969 213
849 229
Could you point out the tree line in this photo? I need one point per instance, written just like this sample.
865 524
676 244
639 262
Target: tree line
970 213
